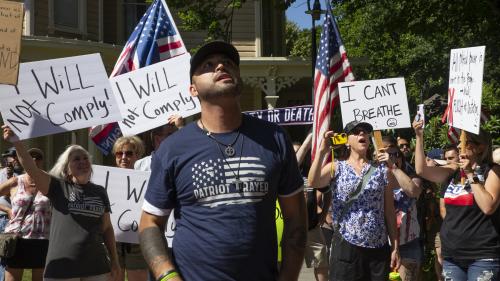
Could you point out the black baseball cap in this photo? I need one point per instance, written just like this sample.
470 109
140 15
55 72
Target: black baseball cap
214 47
355 124
11 152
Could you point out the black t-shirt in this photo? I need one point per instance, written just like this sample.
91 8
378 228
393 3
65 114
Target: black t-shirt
467 233
76 247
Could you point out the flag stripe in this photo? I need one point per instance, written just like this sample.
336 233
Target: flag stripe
332 67
154 39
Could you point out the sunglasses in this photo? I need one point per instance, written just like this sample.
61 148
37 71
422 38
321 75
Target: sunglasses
404 145
393 154
127 153
357 131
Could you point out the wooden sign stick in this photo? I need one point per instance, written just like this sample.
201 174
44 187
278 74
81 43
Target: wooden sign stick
377 136
463 140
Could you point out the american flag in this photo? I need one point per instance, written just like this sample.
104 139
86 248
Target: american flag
154 39
211 174
332 67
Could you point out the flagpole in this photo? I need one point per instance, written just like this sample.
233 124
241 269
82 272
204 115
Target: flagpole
315 13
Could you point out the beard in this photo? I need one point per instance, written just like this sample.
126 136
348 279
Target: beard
227 90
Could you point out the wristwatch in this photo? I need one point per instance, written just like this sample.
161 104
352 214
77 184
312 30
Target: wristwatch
474 179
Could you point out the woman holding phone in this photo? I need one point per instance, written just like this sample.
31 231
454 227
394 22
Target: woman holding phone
470 233
363 208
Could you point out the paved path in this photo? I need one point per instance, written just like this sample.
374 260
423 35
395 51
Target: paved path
306 274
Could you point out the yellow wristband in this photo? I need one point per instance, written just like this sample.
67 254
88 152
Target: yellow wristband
171 274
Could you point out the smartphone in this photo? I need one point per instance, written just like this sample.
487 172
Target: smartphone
339 139
420 114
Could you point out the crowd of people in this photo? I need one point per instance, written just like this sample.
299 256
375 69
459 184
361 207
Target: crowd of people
364 215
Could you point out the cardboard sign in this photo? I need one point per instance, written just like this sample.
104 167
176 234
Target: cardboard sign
382 103
59 95
465 88
11 28
126 189
149 95
297 115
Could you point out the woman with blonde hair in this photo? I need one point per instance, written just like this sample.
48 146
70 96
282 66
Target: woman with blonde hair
127 151
470 231
81 234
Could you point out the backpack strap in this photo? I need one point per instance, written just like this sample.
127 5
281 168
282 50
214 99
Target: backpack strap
354 195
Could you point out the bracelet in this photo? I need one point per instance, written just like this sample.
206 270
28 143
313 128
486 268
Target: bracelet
170 274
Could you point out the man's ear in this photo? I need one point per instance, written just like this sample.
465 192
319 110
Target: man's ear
193 90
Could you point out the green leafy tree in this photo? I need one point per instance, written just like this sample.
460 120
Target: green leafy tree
413 38
214 16
298 41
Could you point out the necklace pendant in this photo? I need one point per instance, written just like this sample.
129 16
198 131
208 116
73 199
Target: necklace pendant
229 151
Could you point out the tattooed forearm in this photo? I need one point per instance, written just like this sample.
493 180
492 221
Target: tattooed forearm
154 249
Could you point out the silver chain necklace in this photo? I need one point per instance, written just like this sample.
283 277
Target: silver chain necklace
229 149
237 180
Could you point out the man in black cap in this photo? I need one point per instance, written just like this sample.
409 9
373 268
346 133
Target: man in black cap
12 167
221 175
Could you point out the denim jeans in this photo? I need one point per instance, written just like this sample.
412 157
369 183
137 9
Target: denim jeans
3 222
471 270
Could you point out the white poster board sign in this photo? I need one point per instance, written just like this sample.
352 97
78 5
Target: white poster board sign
126 189
59 95
149 95
465 88
382 103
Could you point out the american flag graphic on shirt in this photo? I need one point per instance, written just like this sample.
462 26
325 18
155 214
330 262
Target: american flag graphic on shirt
215 181
89 206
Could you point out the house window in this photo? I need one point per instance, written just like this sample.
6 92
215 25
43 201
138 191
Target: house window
68 16
66 13
133 10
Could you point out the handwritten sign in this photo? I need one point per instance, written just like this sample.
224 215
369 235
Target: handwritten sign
11 28
298 115
126 189
382 103
465 88
149 95
59 95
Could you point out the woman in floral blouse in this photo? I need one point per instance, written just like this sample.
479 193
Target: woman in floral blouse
363 208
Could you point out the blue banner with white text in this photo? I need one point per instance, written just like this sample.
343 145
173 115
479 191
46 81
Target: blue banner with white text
297 115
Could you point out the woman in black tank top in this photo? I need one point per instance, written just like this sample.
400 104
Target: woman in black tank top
470 230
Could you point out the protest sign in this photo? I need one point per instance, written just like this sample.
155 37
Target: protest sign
126 189
465 88
382 103
11 28
298 115
149 95
59 95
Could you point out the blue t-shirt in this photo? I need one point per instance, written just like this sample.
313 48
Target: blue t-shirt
225 230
